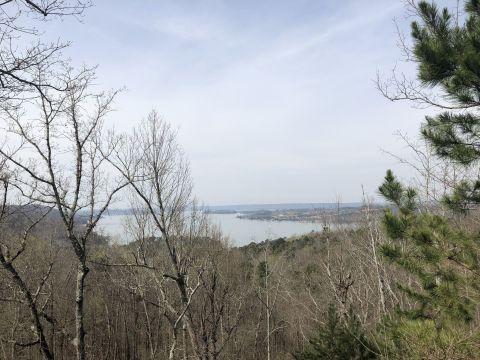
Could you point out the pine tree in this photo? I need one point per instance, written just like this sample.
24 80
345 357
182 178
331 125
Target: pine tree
445 260
339 339
448 57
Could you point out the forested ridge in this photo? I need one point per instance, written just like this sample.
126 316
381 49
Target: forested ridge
402 283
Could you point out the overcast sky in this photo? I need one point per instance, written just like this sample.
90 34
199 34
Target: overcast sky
274 100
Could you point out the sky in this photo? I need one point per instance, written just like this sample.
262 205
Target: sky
274 100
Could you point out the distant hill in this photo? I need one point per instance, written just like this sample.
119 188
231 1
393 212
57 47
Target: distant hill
273 207
245 208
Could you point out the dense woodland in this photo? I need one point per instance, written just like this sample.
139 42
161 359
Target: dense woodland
403 283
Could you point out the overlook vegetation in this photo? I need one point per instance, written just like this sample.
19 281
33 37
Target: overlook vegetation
403 284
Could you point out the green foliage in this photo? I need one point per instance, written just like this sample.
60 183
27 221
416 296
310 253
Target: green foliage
465 196
262 273
395 192
444 260
448 54
417 339
339 339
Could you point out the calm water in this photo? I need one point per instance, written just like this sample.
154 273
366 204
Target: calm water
240 231
244 231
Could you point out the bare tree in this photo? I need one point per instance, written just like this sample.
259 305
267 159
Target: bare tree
24 69
12 247
220 304
55 146
434 177
268 292
154 166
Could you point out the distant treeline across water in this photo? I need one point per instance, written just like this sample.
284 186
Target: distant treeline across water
284 206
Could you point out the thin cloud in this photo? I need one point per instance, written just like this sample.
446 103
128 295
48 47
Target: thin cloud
341 27
187 28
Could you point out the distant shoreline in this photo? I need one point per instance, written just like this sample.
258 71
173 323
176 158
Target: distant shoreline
244 208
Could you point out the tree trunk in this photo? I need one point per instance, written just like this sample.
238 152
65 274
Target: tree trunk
35 316
173 347
82 272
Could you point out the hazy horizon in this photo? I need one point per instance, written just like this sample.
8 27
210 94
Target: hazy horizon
261 206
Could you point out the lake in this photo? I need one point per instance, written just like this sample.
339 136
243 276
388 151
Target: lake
239 231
